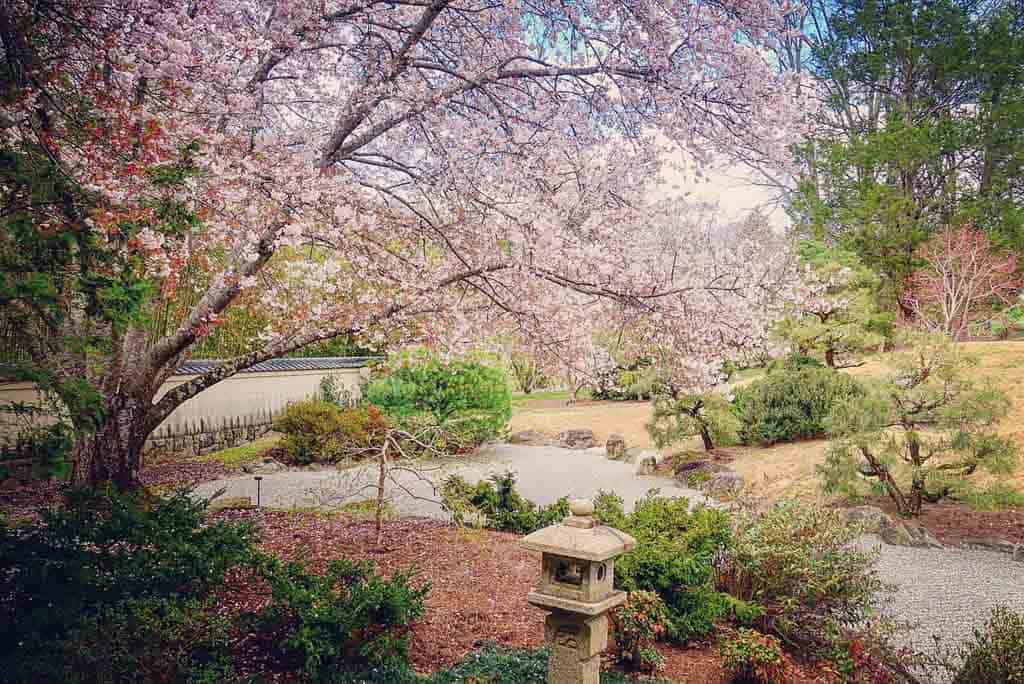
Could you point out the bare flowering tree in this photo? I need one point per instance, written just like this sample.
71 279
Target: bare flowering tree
962 279
382 170
400 470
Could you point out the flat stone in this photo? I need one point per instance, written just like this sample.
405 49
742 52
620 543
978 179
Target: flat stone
265 466
576 438
529 437
906 533
872 518
725 483
990 544
687 466
689 470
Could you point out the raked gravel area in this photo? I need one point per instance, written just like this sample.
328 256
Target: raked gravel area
948 592
944 592
544 473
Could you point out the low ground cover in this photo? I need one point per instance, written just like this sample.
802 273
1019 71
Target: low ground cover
236 457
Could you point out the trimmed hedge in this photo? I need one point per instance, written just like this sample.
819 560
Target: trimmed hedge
791 403
469 401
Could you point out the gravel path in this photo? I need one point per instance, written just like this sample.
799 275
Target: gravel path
544 475
948 592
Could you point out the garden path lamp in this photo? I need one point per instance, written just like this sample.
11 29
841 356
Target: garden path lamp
578 562
259 479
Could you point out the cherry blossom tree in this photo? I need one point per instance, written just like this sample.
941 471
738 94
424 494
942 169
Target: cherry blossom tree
379 170
962 278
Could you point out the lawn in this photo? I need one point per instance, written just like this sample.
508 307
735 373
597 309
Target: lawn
236 457
783 469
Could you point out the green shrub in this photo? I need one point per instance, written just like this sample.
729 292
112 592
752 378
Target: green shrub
464 397
47 446
791 404
322 432
673 558
921 432
800 566
635 626
493 664
793 362
995 654
334 392
708 416
111 563
348 619
497 499
754 658
150 640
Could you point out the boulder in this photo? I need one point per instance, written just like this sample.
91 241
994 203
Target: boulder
990 544
725 483
528 437
648 465
264 466
873 518
906 533
615 447
691 472
637 454
576 439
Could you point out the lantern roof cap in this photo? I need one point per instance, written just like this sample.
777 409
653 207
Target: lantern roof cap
579 536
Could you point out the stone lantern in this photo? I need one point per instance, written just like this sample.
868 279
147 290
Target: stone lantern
578 557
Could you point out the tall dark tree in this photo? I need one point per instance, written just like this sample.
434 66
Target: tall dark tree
921 125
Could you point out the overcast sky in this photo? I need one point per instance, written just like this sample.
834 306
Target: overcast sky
730 187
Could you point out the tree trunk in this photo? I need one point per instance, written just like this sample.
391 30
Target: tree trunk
113 452
705 436
382 462
885 477
830 357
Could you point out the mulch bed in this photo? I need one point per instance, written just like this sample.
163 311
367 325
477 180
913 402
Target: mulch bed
479 581
23 501
952 522
701 664
181 472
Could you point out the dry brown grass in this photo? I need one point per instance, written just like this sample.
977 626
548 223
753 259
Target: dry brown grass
784 469
627 418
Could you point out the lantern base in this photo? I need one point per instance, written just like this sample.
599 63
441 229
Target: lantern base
576 642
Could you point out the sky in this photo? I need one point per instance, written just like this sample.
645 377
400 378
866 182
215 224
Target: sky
732 187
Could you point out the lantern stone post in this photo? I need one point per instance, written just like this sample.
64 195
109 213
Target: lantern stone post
578 563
